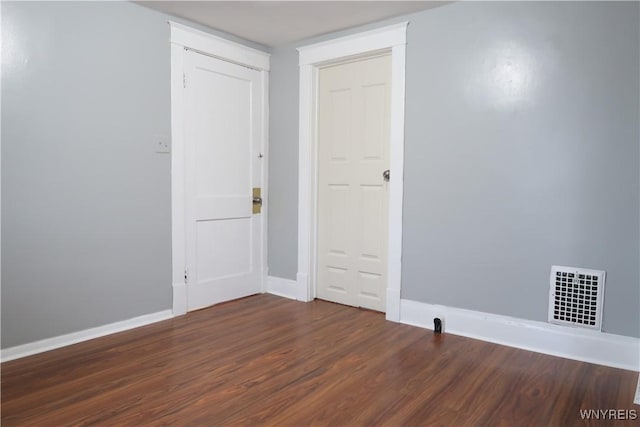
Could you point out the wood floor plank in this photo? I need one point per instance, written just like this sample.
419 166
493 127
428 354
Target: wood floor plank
265 360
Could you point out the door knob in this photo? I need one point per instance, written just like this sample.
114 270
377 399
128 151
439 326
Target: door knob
386 175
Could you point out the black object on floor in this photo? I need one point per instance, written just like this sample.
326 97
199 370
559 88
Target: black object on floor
437 326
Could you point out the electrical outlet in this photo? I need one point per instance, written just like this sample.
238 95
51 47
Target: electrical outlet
161 144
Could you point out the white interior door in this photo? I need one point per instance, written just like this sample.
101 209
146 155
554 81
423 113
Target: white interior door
223 124
353 153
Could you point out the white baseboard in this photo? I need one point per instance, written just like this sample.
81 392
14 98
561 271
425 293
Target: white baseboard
41 346
282 287
572 343
179 299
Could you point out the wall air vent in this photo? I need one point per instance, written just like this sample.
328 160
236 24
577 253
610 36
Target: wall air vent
575 297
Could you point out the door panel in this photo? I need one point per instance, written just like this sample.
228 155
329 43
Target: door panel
223 125
215 258
340 118
371 241
338 198
353 152
374 122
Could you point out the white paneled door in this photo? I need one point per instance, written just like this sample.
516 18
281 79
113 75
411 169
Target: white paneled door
223 164
353 155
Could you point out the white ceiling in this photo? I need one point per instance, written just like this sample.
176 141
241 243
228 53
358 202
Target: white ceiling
276 23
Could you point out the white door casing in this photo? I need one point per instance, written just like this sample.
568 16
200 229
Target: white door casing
353 153
218 93
311 58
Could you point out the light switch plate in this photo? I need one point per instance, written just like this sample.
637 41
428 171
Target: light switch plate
161 144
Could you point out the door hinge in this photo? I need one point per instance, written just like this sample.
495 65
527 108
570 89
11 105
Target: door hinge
184 80
186 277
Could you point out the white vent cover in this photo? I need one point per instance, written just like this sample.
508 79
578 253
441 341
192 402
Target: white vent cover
575 297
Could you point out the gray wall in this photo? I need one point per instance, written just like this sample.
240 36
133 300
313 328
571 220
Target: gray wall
522 151
283 164
86 226
499 184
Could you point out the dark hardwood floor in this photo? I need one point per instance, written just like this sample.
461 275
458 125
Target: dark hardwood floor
265 360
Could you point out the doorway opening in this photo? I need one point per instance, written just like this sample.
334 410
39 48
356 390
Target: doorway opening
312 59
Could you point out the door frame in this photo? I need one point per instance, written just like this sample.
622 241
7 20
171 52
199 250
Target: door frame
390 38
185 38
